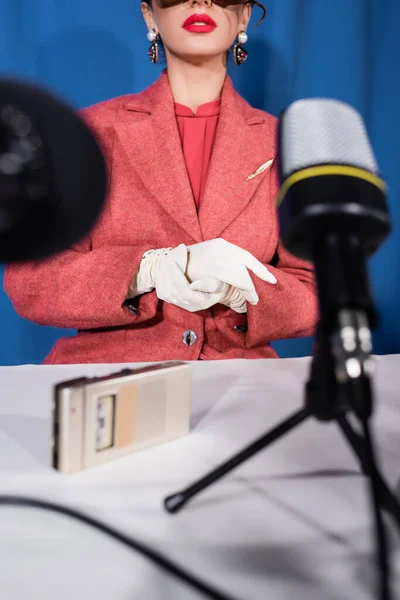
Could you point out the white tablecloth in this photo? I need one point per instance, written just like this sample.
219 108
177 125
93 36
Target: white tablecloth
292 523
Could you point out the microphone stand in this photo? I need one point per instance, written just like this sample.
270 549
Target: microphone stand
341 368
340 379
339 383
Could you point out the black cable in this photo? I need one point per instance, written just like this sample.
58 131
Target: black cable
157 558
380 531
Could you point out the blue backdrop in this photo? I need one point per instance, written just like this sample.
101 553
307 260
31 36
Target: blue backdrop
91 50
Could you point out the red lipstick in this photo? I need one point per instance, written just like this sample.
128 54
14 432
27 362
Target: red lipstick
201 23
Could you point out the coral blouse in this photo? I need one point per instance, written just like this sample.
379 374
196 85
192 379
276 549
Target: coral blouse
197 133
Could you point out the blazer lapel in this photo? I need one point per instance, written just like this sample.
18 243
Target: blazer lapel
241 158
151 139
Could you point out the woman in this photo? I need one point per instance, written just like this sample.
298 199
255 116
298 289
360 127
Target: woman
176 267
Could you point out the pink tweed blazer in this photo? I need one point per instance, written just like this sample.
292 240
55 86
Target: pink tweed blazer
150 205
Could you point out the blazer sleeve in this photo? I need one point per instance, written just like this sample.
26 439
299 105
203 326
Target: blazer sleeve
289 308
81 288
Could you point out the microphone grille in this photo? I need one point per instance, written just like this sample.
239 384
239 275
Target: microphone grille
323 131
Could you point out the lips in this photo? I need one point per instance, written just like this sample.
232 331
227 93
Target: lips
199 23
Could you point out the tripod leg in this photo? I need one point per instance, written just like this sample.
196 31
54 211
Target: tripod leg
176 501
387 498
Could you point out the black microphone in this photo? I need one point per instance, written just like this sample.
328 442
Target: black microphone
337 216
52 174
333 200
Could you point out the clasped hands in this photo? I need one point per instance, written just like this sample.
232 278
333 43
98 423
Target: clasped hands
197 277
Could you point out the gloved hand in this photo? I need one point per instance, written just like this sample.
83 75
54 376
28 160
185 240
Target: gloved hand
226 262
232 297
159 271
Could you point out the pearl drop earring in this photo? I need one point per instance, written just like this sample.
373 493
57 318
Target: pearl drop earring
239 53
153 37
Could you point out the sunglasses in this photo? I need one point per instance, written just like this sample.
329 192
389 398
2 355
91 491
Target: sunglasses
222 3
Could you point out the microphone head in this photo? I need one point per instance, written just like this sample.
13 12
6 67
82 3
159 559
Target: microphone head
330 181
320 131
52 174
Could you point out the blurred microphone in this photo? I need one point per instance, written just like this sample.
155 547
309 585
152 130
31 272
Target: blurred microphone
334 200
52 174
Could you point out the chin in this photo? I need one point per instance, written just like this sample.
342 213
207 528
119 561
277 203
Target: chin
200 51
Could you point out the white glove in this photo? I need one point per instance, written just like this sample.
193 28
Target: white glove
226 262
232 297
145 277
211 268
235 300
158 271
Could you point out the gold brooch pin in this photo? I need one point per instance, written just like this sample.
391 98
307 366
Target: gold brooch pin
261 169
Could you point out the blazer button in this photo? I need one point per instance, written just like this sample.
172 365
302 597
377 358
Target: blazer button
242 328
189 337
132 310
